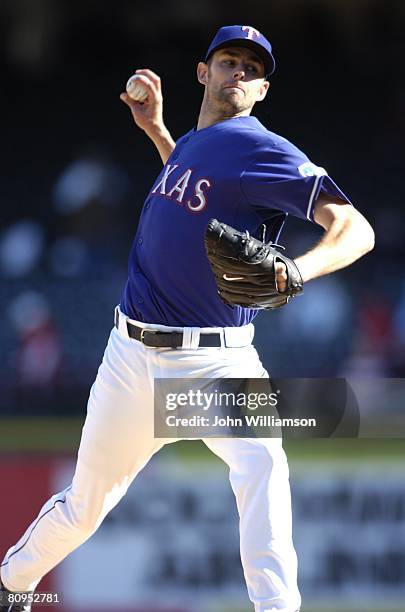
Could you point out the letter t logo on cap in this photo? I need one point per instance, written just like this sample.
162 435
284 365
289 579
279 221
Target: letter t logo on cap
251 32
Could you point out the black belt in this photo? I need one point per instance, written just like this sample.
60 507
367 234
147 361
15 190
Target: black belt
160 339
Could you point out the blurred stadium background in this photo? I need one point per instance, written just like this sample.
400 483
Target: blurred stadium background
74 173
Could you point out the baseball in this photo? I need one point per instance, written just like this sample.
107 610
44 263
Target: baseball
136 89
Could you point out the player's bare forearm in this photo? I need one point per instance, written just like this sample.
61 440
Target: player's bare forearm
148 114
348 236
161 138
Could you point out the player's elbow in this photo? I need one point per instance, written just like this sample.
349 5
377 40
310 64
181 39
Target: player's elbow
370 239
359 229
365 235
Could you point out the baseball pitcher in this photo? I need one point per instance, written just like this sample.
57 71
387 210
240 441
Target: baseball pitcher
200 268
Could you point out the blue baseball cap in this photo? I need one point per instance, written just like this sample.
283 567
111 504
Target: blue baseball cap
244 36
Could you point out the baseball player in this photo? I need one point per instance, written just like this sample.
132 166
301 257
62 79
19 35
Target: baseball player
171 321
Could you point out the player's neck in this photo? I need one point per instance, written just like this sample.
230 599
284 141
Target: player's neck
209 117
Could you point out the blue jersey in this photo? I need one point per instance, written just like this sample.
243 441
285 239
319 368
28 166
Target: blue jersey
236 171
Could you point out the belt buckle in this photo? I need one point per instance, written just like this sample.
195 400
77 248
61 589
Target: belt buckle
143 332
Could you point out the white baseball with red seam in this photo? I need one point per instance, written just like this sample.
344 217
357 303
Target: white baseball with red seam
136 89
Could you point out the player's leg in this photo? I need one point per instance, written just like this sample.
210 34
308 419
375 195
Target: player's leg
117 441
259 479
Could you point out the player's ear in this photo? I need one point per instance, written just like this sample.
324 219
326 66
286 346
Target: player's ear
202 73
264 87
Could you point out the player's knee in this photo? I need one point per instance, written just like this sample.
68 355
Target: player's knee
84 518
86 523
267 456
269 464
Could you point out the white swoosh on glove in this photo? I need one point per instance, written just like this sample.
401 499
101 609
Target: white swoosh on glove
232 278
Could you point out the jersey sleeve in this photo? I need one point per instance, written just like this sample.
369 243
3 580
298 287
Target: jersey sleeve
281 177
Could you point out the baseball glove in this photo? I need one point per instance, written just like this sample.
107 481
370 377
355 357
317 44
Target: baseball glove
244 268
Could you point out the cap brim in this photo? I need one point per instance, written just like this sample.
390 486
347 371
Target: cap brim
267 59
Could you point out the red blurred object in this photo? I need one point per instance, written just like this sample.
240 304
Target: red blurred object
39 356
25 487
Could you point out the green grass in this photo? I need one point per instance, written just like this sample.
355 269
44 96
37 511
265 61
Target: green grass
49 435
62 435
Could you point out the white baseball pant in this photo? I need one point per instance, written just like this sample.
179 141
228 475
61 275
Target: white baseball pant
117 441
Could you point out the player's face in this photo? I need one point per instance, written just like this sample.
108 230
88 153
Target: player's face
234 80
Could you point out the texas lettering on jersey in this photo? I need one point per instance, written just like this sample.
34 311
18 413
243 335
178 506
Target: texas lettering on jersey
185 189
